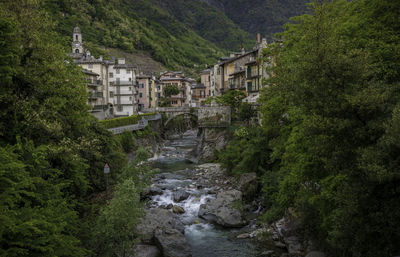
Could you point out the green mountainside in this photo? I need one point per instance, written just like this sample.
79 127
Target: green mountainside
261 16
176 33
171 35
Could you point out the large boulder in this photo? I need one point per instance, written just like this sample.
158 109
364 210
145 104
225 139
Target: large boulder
180 195
172 243
224 209
146 251
157 218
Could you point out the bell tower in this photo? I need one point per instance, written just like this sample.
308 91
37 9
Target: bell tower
77 46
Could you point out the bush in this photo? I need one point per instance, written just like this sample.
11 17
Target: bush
126 140
119 122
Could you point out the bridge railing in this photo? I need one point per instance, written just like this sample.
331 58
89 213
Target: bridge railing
140 125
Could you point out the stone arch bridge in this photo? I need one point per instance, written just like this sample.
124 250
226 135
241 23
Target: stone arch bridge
207 117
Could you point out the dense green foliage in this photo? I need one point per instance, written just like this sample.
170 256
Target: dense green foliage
328 149
124 121
170 90
114 232
241 111
52 151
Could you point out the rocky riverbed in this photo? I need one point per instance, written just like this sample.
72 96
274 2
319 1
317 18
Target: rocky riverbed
196 210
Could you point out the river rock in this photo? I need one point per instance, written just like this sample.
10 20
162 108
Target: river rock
243 236
155 191
172 243
146 251
293 245
316 254
222 211
177 209
157 218
180 195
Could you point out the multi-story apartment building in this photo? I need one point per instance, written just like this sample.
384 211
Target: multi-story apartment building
95 99
205 79
198 94
181 82
122 88
239 71
144 97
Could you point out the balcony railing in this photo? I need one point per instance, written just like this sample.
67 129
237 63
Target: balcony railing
95 83
95 95
122 83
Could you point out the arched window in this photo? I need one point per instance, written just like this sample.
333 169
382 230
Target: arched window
77 51
76 37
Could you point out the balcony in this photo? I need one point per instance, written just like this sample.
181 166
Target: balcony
122 83
95 95
95 83
198 96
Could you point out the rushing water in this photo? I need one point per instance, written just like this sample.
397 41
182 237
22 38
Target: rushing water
205 239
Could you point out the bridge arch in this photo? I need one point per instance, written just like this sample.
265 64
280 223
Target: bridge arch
193 114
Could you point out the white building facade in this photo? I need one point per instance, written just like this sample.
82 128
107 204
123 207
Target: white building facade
123 88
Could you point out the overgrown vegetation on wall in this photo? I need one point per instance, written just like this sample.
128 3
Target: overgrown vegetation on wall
124 121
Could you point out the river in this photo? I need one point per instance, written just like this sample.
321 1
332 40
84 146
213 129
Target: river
176 173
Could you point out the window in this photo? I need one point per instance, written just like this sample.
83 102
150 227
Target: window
111 75
117 71
130 98
140 95
90 65
130 88
77 51
119 108
76 38
130 79
141 86
111 94
128 71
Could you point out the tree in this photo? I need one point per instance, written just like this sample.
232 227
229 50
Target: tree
170 90
330 96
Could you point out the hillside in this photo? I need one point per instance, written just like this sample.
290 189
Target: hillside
152 26
178 34
260 16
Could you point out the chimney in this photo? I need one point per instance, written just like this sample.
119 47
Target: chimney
258 38
243 50
101 58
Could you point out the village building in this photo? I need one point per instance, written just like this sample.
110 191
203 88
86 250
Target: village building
205 78
123 88
95 99
144 97
183 84
198 95
240 71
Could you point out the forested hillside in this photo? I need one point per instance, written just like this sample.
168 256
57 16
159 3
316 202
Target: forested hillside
175 33
261 16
